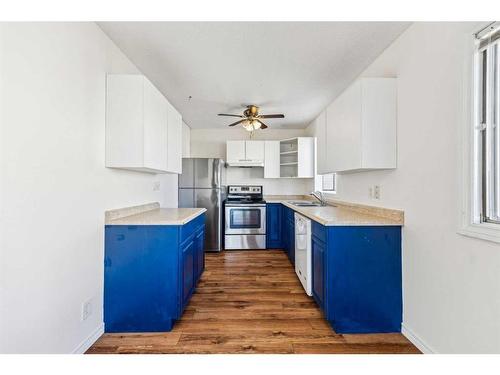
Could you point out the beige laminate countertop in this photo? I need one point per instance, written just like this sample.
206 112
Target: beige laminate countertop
160 216
336 216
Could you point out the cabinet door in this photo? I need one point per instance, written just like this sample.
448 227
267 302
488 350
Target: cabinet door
284 229
124 121
254 150
305 167
187 270
318 270
343 134
155 128
235 151
199 253
273 225
321 143
271 159
379 120
174 149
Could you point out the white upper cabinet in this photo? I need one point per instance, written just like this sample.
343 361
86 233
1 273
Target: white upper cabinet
155 122
287 158
320 131
360 128
305 159
143 131
174 149
255 150
271 159
235 151
245 153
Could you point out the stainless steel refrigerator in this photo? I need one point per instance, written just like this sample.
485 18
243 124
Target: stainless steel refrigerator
202 184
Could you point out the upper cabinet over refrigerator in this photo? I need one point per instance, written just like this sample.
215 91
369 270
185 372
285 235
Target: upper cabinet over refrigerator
359 128
143 130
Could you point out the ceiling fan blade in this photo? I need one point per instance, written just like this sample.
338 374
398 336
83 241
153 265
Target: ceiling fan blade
226 114
262 125
236 123
272 116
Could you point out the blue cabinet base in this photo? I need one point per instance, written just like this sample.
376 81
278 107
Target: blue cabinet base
357 277
165 325
348 326
150 273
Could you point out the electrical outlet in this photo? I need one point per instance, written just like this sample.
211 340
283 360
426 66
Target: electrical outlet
86 309
156 185
376 192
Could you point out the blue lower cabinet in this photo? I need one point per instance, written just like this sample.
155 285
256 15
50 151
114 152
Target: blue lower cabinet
318 270
288 234
357 277
150 272
188 271
274 226
199 251
284 237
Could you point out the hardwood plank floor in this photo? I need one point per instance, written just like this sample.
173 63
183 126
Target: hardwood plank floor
251 302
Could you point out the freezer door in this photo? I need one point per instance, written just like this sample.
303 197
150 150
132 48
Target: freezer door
204 174
186 179
186 198
209 173
211 200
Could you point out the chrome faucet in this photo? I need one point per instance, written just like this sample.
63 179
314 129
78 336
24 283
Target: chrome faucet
319 196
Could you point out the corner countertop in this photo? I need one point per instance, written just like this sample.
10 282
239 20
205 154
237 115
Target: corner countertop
159 216
342 214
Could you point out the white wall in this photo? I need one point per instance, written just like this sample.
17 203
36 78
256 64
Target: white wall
186 140
54 187
211 143
451 283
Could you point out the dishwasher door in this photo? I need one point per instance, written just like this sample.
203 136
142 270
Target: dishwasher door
303 260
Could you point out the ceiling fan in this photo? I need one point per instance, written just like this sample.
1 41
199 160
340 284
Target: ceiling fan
251 120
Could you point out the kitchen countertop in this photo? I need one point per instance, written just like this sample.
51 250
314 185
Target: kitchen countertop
160 216
336 214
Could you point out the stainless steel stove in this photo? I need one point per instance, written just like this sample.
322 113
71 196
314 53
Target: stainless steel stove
245 214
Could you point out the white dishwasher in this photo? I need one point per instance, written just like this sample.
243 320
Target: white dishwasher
303 258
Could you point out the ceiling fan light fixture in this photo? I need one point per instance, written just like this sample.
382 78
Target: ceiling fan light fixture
251 125
247 125
251 119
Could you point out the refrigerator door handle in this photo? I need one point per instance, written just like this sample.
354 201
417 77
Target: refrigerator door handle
216 173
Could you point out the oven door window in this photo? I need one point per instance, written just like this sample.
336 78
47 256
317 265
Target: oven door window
248 218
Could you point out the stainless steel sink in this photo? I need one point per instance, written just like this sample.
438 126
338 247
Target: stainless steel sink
305 204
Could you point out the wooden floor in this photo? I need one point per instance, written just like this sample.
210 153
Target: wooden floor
251 302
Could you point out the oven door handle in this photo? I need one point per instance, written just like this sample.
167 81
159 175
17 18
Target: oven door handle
245 206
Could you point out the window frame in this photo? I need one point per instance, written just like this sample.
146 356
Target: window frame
472 220
329 191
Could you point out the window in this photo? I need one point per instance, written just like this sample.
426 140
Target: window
486 126
328 182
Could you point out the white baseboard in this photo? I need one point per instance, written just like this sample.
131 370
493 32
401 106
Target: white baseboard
87 343
415 340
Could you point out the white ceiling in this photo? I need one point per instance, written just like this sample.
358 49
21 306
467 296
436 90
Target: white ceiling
295 68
